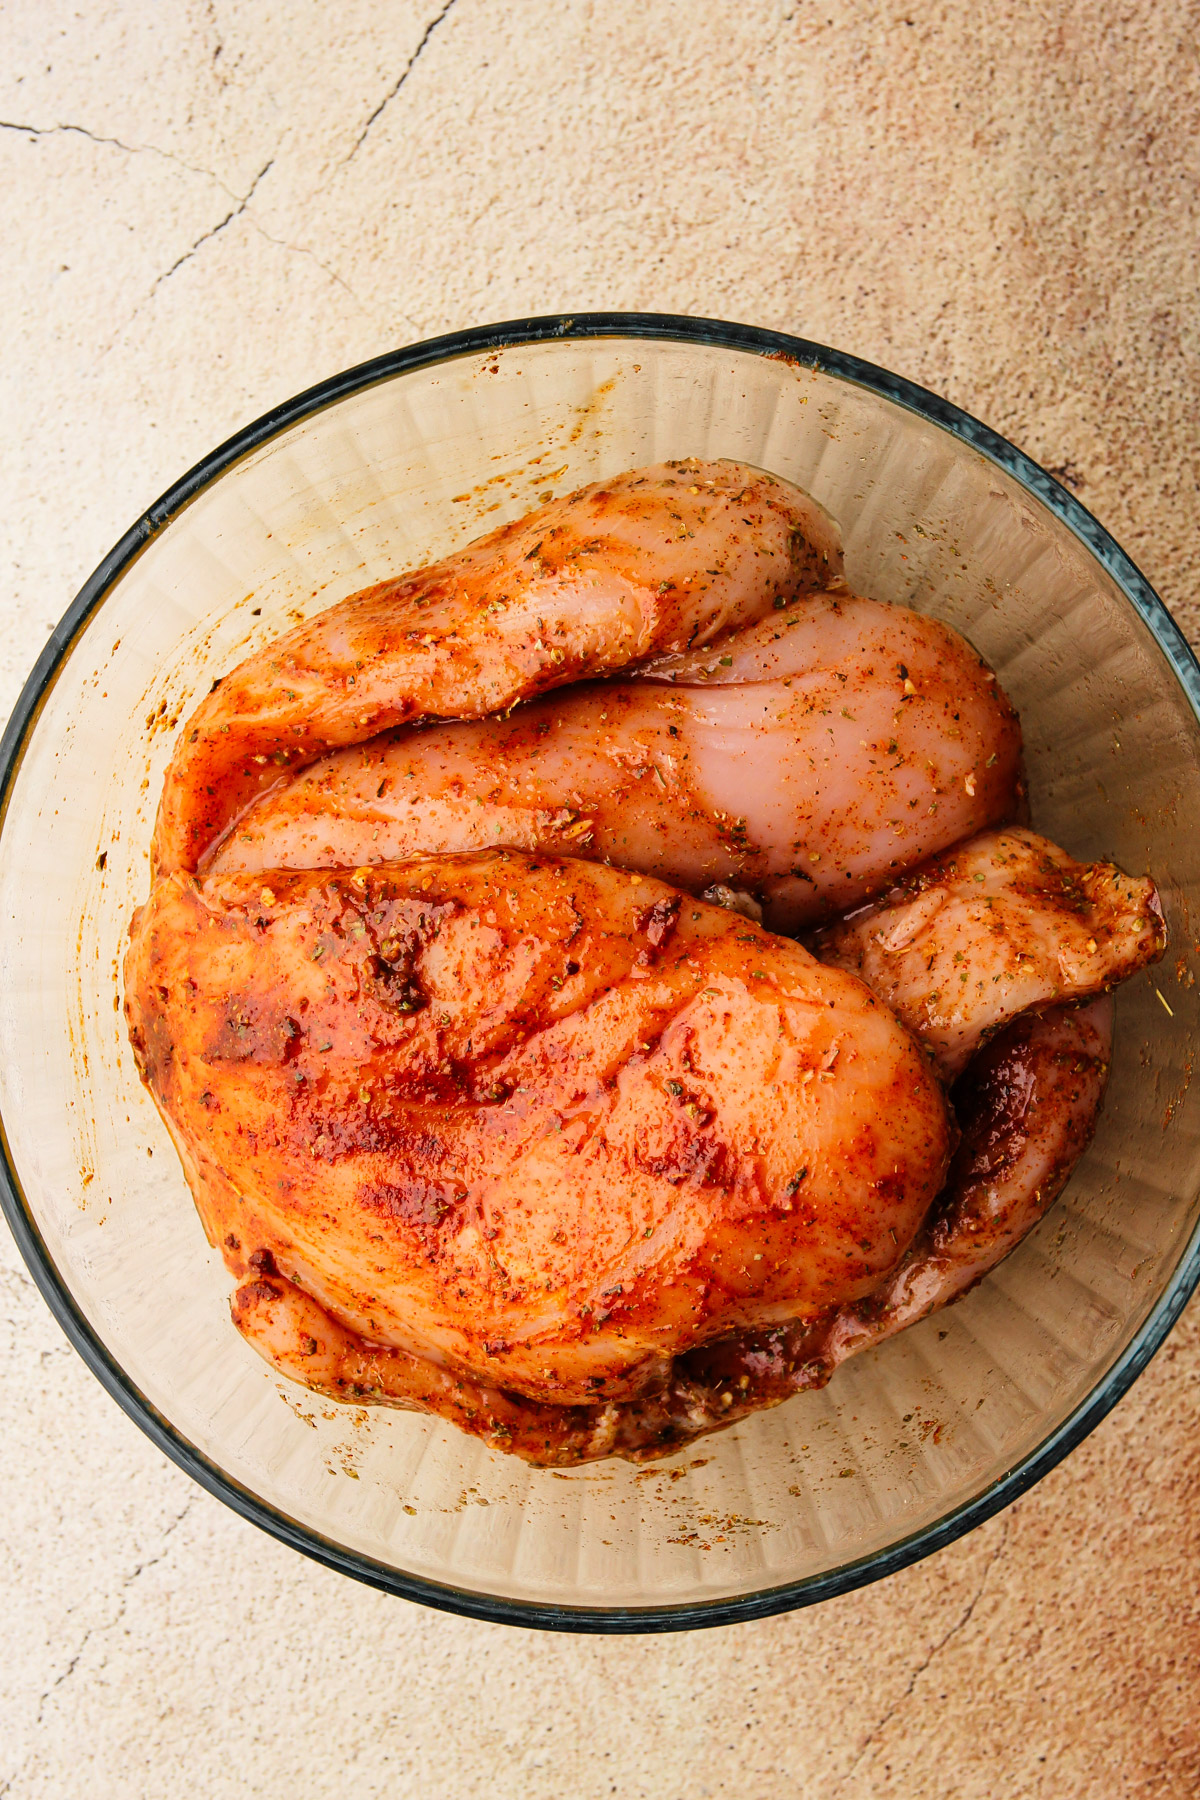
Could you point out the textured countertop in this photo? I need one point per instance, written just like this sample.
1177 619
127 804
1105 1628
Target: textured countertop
209 206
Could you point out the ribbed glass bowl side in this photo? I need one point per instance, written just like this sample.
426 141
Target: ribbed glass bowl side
386 477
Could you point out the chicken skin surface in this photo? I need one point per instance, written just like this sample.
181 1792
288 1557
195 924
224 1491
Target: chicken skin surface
656 560
539 1121
807 759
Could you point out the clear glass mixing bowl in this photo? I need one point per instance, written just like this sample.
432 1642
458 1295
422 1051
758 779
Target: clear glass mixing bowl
402 460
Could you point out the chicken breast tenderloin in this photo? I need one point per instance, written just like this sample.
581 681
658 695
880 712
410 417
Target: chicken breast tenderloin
1004 924
808 758
655 560
540 1122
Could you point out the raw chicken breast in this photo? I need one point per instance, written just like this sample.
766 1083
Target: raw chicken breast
538 1121
1003 924
1028 1106
544 1146
305 1343
656 559
808 759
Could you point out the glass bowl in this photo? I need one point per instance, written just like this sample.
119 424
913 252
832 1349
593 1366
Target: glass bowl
402 460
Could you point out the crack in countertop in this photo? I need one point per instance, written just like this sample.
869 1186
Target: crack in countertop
213 231
303 250
211 10
96 137
110 1624
140 1568
403 76
960 1623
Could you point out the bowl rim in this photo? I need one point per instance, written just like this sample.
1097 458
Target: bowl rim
55 1290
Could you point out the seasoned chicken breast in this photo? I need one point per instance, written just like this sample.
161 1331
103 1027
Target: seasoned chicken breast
488 1127
1005 923
1028 1107
538 1121
654 560
807 759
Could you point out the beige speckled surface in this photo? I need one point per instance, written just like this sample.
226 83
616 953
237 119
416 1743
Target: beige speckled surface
209 206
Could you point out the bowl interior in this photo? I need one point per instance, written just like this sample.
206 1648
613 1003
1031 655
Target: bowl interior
386 478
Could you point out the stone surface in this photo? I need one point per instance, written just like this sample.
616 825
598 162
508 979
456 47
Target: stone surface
205 208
